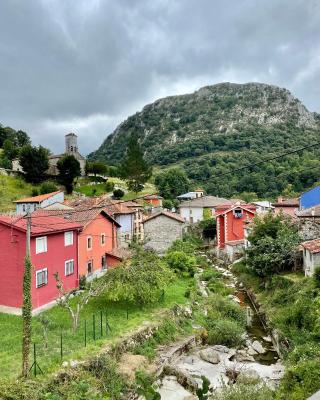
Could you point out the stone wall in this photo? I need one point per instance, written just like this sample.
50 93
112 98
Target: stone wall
309 229
160 232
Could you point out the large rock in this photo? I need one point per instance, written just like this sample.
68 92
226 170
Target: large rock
242 355
210 355
248 375
257 346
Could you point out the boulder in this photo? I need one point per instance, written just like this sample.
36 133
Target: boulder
248 375
242 356
210 355
220 348
257 346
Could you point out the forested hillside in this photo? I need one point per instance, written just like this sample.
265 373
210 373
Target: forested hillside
224 127
10 143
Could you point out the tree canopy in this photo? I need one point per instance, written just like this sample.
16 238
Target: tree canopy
274 241
172 183
134 167
69 169
35 162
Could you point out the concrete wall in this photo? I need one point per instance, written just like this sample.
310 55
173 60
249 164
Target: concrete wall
191 214
160 232
310 262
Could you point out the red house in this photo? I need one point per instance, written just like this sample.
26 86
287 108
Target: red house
230 227
53 248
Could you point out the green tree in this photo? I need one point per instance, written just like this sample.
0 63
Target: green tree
172 183
96 168
35 162
48 187
273 247
139 282
10 150
22 138
118 194
134 168
69 169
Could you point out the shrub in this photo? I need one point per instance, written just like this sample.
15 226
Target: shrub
109 186
118 194
241 391
183 246
224 331
307 372
34 192
167 204
316 277
47 187
181 262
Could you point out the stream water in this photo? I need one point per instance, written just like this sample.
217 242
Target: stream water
259 356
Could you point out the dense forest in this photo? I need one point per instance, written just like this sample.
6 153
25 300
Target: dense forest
225 127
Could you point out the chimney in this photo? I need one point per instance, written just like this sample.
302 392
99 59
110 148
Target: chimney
312 211
280 199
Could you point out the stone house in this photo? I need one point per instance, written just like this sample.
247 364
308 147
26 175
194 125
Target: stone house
309 223
161 229
311 256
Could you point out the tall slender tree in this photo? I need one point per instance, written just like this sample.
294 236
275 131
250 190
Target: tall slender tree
134 167
69 169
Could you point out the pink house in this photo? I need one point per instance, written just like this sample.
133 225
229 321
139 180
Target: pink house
286 206
53 248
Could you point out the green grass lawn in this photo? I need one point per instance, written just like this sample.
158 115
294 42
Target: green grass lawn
13 188
100 188
74 344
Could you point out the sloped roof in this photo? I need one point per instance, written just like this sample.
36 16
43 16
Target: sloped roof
166 214
312 245
223 209
206 201
38 199
151 197
188 195
112 207
41 223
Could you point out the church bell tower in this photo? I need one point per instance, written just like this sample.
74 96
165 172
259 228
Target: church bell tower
71 144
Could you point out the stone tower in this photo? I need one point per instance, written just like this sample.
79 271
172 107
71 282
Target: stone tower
71 144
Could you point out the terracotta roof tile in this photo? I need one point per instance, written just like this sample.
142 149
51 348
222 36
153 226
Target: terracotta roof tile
41 223
37 199
312 245
168 214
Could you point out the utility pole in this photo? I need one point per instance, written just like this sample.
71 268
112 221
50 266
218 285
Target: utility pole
27 304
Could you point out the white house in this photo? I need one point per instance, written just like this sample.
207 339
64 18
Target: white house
192 211
311 256
191 195
263 207
30 204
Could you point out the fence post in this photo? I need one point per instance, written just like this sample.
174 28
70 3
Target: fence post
35 359
101 333
127 314
61 348
85 333
94 326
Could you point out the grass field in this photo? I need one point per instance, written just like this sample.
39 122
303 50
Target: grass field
74 344
13 188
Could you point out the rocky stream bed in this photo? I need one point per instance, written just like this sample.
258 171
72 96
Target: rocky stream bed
183 364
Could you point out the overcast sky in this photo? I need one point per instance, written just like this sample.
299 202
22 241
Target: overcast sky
85 65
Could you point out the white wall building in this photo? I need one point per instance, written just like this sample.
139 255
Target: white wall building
30 204
193 211
311 256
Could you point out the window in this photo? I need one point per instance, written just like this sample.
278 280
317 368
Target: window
89 267
68 238
103 239
126 237
41 277
89 242
69 267
24 208
237 212
190 212
41 245
103 262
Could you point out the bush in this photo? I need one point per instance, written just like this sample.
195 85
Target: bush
316 277
182 246
167 204
225 332
118 194
47 187
34 192
181 262
109 186
308 373
241 391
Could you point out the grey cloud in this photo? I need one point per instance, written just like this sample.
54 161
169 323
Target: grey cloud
86 65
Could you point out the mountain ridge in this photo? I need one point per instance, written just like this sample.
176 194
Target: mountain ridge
242 120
